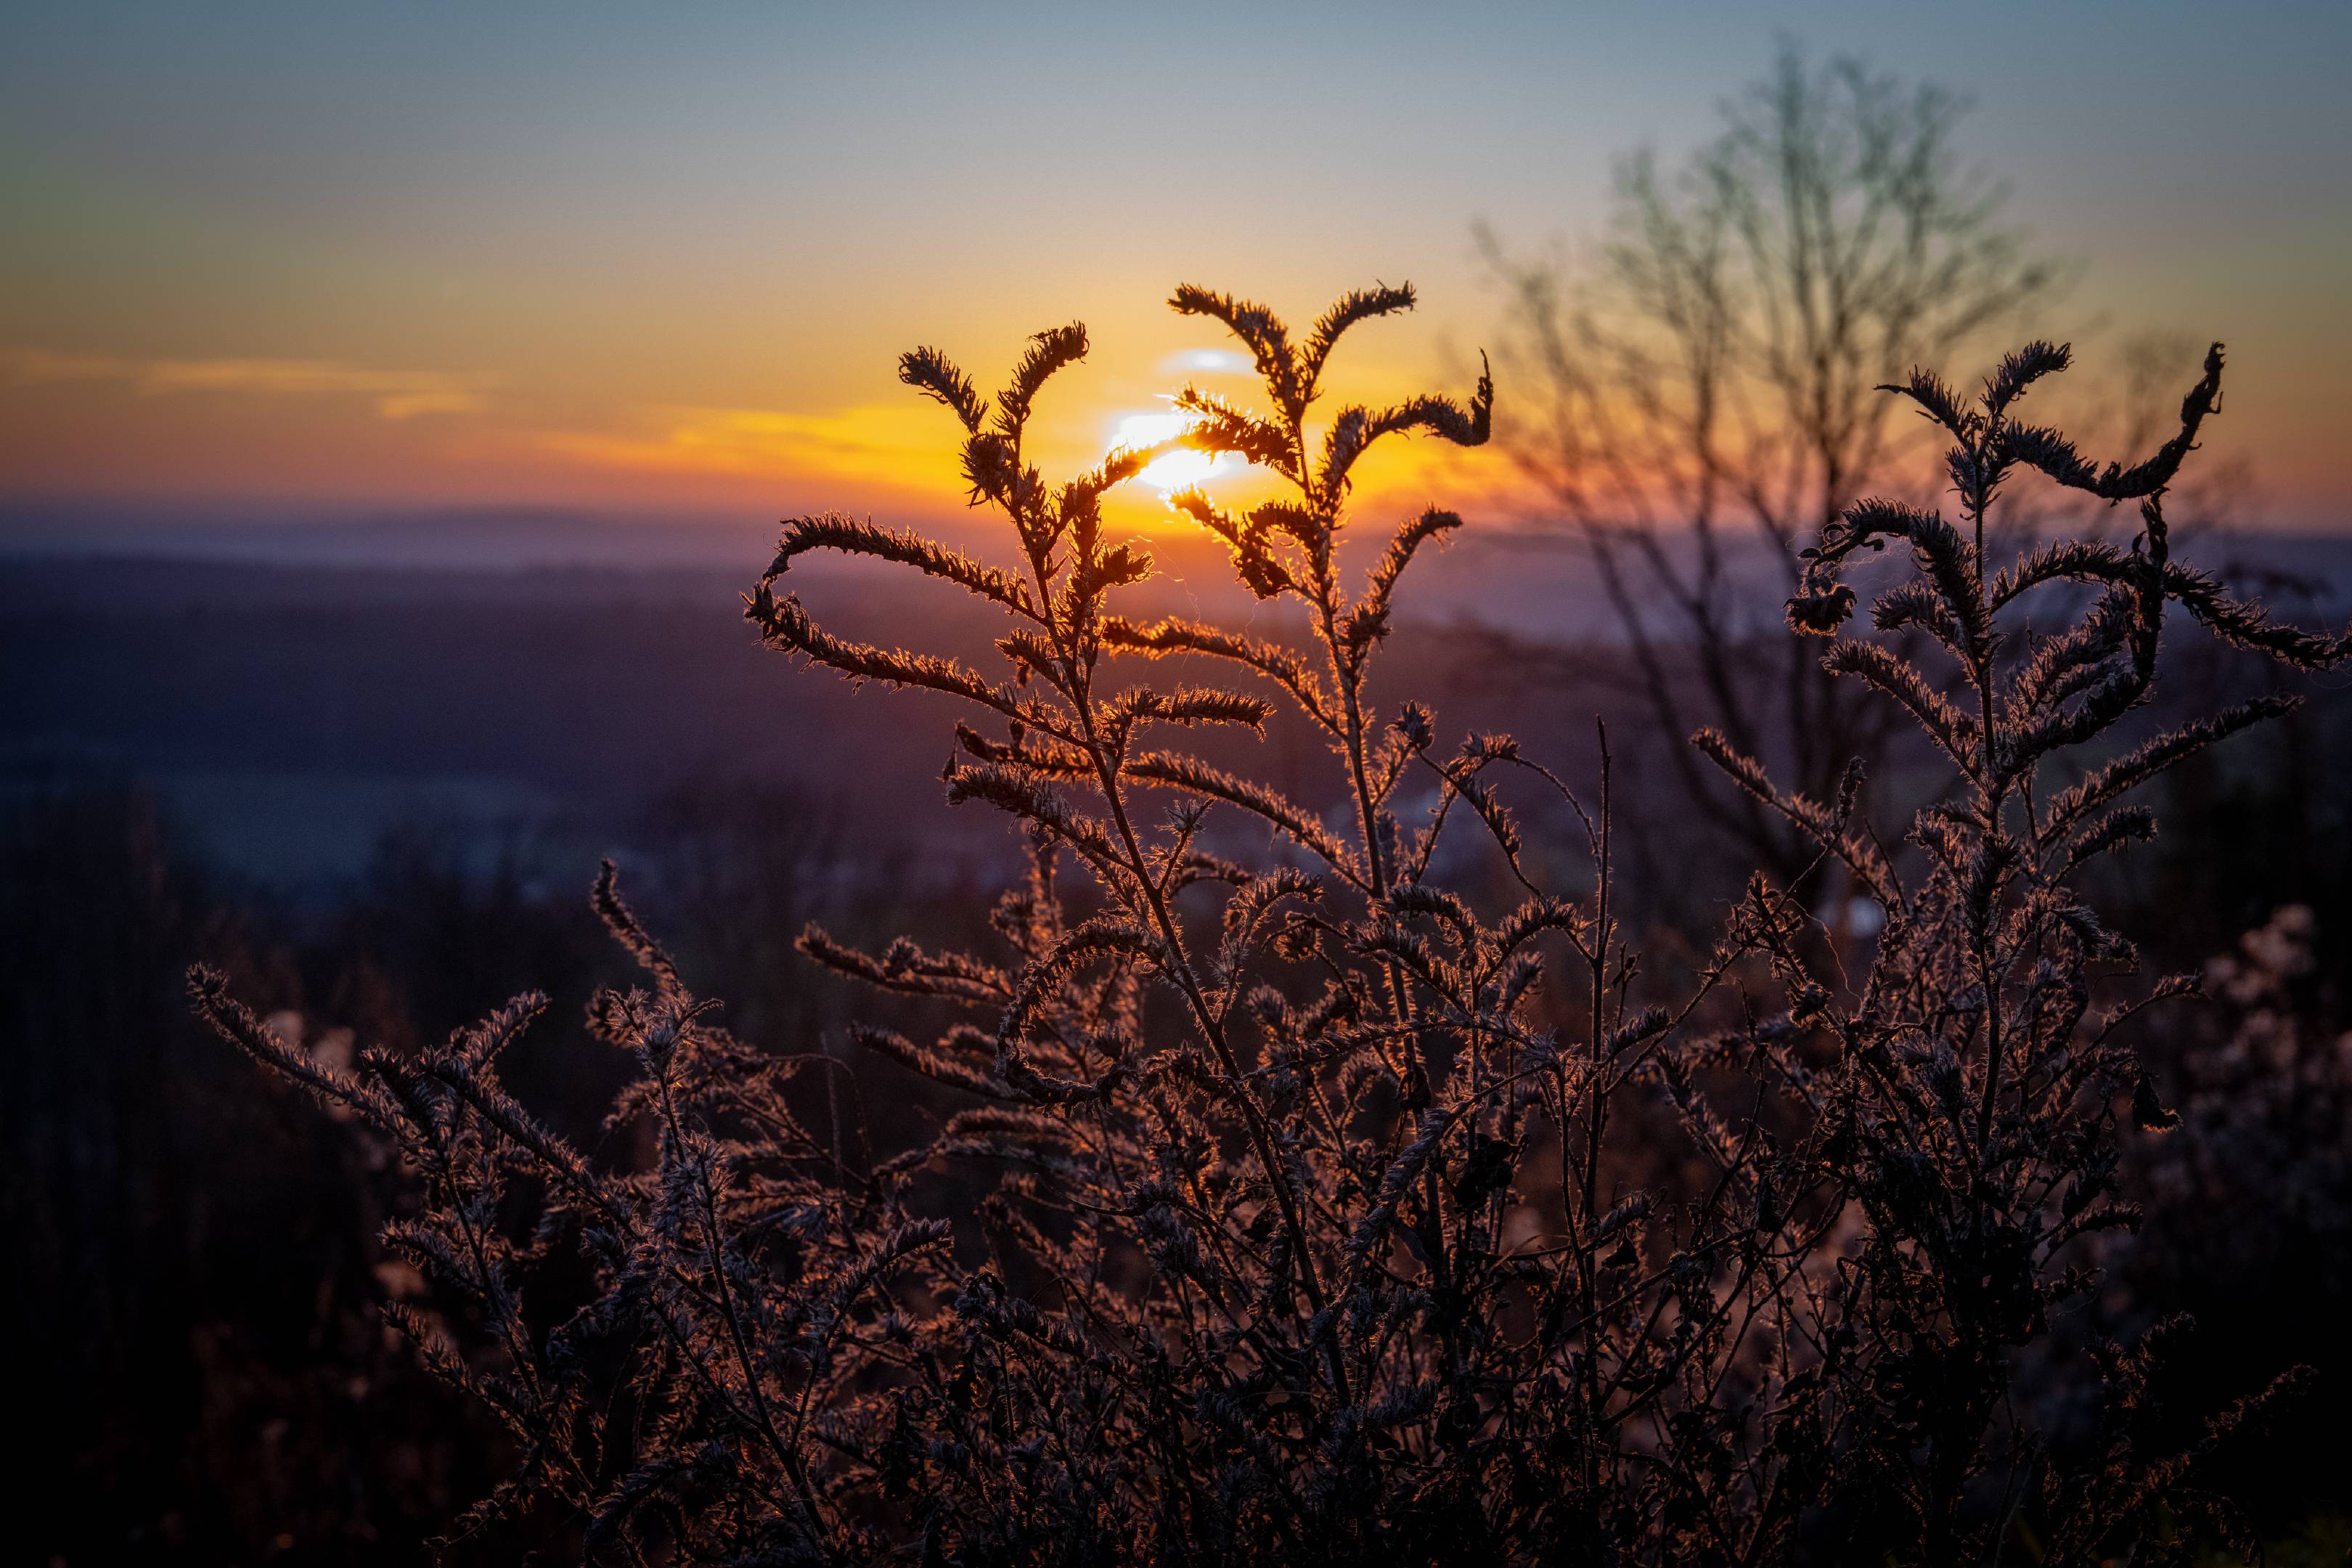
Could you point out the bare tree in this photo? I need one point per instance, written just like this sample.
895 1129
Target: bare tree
1705 396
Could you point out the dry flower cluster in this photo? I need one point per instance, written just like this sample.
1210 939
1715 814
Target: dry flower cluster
1306 1209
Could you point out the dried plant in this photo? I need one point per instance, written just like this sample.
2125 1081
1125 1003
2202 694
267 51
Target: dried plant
1302 1208
1974 1113
733 1273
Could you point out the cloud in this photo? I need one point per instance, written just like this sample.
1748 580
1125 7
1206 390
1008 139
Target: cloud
1206 362
907 445
397 393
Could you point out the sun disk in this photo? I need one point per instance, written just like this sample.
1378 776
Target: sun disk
1176 470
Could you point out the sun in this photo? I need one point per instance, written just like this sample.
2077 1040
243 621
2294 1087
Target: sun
1177 470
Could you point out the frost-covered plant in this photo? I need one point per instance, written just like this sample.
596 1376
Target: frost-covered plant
699 1313
1303 1207
1971 1116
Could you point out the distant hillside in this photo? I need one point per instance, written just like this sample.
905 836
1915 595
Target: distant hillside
292 711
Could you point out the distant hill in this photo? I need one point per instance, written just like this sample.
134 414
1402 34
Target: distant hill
290 705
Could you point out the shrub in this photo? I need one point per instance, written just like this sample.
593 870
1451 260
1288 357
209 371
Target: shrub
1300 1206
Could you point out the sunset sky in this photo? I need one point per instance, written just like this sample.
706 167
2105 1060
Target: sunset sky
324 259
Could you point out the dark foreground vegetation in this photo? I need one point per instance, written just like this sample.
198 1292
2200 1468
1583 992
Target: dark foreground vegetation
1259 1179
201 1269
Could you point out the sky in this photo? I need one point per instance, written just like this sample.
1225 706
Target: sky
333 260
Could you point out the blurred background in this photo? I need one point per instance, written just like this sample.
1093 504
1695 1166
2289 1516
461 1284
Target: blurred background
394 404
